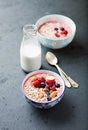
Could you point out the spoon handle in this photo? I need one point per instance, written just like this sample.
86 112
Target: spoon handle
64 78
73 83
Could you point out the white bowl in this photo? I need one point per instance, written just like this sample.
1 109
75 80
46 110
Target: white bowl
47 104
59 43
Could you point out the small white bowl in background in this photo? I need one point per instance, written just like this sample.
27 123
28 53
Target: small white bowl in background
56 43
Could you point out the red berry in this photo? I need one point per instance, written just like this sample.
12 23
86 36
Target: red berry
53 88
64 32
50 83
36 84
57 35
41 79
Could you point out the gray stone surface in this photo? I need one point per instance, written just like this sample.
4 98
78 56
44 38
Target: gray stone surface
15 113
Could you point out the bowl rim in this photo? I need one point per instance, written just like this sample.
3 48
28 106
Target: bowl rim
43 70
56 15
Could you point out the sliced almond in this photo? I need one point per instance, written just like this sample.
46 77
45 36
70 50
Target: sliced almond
53 94
41 95
33 78
50 77
46 90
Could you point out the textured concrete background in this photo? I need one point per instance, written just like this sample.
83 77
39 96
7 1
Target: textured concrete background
15 113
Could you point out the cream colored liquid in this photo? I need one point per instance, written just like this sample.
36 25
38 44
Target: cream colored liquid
30 56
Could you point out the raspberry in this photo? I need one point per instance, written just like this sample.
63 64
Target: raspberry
57 35
36 84
50 83
65 32
41 79
53 88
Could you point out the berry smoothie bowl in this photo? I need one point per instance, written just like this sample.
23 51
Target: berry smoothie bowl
43 88
55 31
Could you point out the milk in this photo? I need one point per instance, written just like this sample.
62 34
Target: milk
30 55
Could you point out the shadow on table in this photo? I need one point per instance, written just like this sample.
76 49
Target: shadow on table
62 112
75 48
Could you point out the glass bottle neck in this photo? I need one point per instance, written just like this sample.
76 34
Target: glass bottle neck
29 31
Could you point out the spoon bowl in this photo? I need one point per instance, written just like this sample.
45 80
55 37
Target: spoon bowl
51 58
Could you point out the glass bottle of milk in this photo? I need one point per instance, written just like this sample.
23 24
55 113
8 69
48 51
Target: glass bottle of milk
30 50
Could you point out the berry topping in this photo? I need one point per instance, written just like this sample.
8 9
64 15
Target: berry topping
43 84
56 29
47 87
48 98
57 35
50 83
57 85
47 93
53 88
36 84
62 29
41 79
65 32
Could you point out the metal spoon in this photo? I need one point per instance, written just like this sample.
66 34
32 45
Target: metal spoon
52 60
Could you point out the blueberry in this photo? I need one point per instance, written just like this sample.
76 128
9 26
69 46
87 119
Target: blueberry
56 29
57 85
47 87
48 98
43 84
48 93
61 28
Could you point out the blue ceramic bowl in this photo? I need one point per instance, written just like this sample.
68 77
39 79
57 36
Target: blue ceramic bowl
52 43
47 104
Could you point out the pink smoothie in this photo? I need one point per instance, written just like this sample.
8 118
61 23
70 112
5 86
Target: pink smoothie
55 30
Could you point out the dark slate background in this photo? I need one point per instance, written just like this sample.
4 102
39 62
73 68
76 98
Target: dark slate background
15 113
